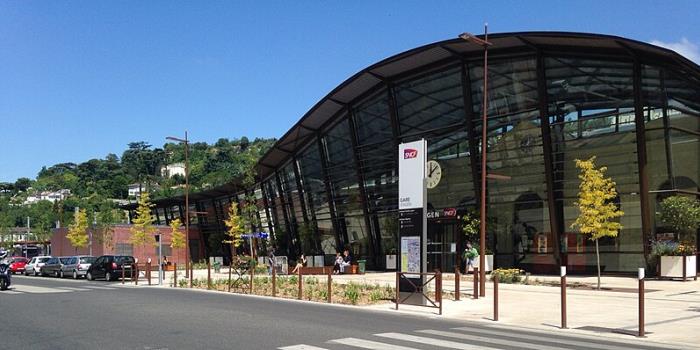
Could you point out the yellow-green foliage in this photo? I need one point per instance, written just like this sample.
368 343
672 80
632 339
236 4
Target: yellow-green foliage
234 223
597 212
177 239
77 231
142 230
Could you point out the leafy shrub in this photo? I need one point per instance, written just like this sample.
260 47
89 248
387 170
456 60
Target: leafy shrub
352 293
376 295
507 275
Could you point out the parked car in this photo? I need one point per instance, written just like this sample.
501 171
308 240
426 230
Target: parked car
18 264
34 265
110 267
53 266
77 266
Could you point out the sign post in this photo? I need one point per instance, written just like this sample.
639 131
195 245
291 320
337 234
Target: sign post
412 215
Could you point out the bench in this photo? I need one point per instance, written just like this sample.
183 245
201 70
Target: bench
324 270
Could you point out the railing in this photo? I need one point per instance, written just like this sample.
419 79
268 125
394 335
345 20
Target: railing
422 288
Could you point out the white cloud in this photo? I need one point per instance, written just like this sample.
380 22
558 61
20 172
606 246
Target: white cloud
684 47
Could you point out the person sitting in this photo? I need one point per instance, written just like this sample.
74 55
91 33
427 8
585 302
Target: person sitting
300 263
338 263
347 260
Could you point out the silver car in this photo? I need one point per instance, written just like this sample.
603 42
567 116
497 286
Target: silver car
77 266
34 266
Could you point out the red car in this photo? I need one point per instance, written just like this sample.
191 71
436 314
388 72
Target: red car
17 264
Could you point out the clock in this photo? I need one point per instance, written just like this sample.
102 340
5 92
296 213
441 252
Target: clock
433 173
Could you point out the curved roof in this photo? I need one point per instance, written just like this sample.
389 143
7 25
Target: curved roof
450 50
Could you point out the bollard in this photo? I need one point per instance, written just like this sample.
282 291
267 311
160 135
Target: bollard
208 273
137 275
175 276
230 268
123 270
641 301
274 281
330 283
562 273
495 297
397 290
457 278
300 287
438 290
148 272
476 283
191 273
252 275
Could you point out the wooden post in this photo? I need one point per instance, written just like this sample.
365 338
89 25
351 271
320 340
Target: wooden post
438 292
563 297
252 275
330 283
123 271
476 283
191 272
457 280
274 281
148 272
230 267
175 276
136 281
300 282
495 297
398 275
208 273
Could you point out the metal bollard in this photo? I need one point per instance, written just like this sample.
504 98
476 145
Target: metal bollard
175 276
300 282
208 273
330 283
562 273
274 281
476 283
641 301
495 297
458 277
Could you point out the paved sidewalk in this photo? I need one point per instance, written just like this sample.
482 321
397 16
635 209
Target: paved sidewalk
672 307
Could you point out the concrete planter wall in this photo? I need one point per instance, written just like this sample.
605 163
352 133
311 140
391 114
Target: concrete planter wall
488 260
672 266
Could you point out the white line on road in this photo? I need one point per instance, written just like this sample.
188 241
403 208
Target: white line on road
368 344
432 341
100 288
74 289
301 347
582 341
476 338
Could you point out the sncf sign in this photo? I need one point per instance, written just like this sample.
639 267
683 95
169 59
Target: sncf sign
409 153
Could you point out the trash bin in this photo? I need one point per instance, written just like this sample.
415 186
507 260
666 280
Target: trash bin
361 266
217 267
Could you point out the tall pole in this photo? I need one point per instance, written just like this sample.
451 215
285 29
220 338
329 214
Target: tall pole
484 127
187 206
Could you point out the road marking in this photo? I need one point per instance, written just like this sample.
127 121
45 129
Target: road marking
567 339
38 290
13 292
100 288
368 344
432 341
301 347
73 289
517 344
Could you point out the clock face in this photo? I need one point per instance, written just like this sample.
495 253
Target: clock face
433 173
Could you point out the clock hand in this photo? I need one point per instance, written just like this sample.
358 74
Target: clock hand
432 170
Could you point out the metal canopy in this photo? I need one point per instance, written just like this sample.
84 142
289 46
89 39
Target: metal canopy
504 44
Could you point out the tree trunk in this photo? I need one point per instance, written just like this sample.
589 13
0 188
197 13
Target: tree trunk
597 257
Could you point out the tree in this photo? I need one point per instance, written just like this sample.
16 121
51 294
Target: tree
597 211
234 225
77 231
177 238
142 229
683 214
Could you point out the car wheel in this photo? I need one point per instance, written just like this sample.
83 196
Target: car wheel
89 276
3 285
75 275
36 273
108 276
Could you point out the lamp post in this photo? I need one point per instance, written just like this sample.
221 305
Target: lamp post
187 200
484 125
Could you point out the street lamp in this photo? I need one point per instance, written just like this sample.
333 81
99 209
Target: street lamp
484 125
187 200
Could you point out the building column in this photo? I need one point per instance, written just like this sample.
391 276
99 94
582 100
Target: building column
642 157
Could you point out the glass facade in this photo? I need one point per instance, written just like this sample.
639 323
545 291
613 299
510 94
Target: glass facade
639 117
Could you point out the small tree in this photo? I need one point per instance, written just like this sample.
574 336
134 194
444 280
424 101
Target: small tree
77 231
683 214
471 225
177 239
597 211
142 229
234 224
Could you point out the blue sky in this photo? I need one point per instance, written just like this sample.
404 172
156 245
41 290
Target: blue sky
81 79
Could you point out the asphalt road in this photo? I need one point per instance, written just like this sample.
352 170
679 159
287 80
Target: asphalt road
48 313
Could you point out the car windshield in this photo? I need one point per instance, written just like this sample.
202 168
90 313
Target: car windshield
125 259
43 260
87 260
15 260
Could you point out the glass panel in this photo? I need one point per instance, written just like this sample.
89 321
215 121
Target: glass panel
314 183
430 102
